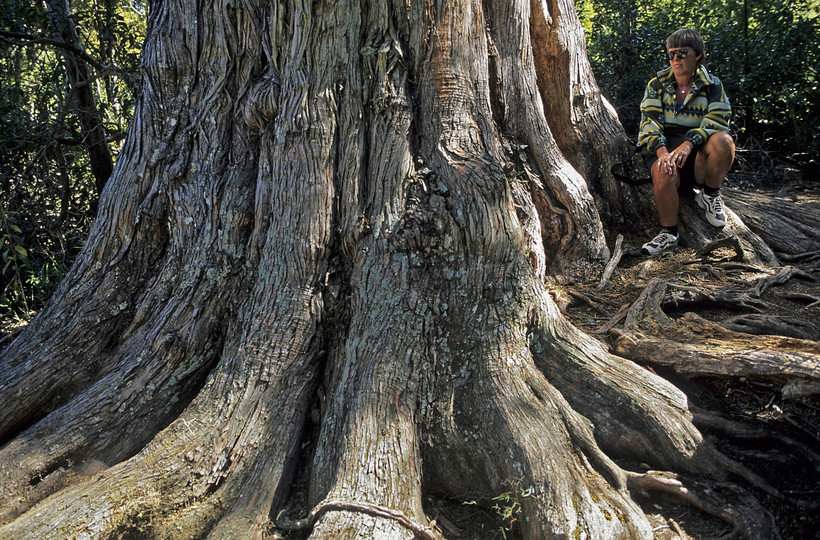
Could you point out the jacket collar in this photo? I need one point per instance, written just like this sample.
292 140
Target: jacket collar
667 78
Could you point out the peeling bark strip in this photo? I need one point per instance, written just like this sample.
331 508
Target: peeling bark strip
320 262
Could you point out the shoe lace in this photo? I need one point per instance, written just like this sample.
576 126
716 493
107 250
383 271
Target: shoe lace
717 204
662 238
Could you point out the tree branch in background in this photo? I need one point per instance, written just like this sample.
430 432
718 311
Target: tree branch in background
93 130
23 39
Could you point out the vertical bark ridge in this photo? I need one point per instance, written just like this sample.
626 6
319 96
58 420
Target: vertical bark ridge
367 450
584 124
367 453
464 397
255 401
571 246
76 326
580 117
127 245
495 421
152 366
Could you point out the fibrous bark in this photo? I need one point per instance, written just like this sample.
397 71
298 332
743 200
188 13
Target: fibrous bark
318 237
796 231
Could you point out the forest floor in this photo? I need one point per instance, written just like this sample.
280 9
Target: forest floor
787 425
756 403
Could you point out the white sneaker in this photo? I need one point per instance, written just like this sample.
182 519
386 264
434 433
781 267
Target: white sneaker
660 243
713 207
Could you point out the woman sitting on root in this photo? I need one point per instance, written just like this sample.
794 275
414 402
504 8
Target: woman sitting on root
684 135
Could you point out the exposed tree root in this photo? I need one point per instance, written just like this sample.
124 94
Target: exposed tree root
788 225
733 242
725 501
802 258
810 299
689 298
798 388
694 347
738 430
701 236
760 324
326 505
784 275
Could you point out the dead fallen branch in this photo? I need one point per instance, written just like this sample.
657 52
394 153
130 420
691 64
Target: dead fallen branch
612 264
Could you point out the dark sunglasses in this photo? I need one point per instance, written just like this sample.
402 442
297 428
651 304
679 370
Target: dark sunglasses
680 53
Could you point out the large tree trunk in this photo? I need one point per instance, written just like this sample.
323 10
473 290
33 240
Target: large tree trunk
321 259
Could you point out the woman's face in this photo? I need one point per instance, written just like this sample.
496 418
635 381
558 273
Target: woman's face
683 60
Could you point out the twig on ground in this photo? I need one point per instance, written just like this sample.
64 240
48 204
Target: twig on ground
613 321
675 527
612 264
645 269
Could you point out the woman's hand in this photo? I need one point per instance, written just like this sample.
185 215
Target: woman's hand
682 153
669 162
666 161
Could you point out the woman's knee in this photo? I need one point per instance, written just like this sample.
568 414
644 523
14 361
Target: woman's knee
663 180
720 143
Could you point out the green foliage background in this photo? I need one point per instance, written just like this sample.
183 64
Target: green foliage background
764 51
47 193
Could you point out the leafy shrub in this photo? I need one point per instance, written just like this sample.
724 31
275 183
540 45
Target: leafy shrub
47 193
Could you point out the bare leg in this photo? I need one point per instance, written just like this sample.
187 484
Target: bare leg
666 195
714 160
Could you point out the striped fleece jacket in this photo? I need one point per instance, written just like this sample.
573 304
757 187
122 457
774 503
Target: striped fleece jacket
705 110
